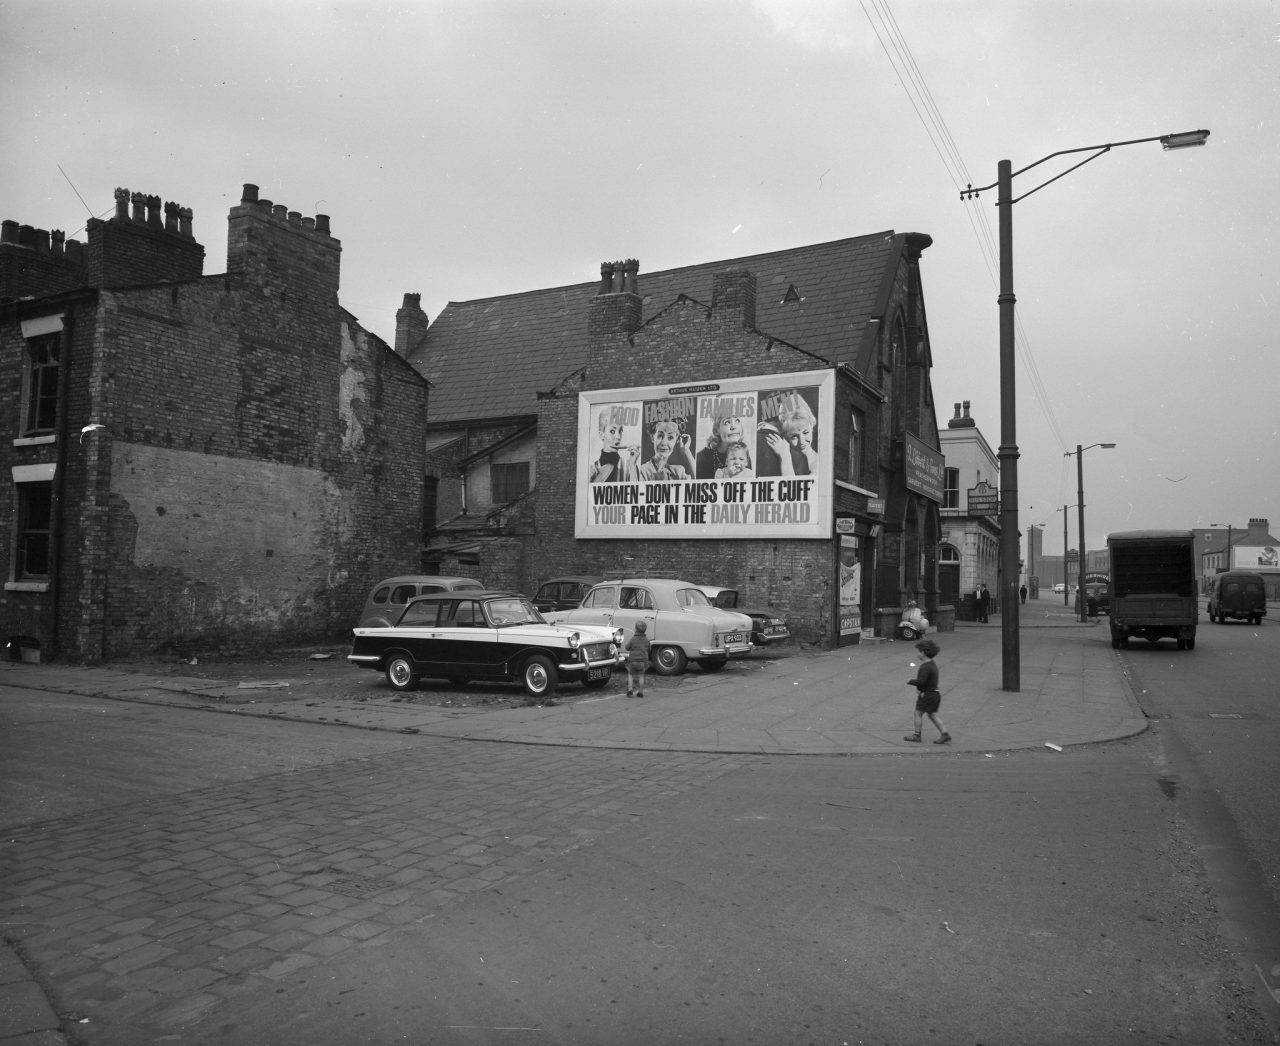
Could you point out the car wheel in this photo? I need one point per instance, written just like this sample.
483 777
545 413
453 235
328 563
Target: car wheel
401 673
669 661
1191 643
715 665
596 684
539 676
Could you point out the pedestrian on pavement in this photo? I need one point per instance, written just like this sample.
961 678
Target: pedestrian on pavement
637 660
1022 592
928 697
984 603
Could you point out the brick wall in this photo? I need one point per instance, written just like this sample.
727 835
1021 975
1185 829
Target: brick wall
796 577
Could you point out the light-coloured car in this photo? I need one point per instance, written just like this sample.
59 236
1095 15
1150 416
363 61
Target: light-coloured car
389 598
681 622
467 634
767 626
1059 588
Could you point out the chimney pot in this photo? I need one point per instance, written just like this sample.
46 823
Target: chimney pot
154 217
280 210
58 237
322 224
122 204
249 194
309 224
606 278
170 217
295 218
139 202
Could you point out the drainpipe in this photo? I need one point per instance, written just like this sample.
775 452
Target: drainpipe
59 485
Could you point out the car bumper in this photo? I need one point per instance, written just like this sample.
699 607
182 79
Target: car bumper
775 635
733 650
584 666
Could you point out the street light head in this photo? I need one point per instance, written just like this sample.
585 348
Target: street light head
1184 139
1107 446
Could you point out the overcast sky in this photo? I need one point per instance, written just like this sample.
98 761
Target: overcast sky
485 147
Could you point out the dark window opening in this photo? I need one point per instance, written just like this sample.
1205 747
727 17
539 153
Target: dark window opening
42 384
35 533
508 480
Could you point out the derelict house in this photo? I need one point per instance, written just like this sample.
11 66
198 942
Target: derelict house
194 460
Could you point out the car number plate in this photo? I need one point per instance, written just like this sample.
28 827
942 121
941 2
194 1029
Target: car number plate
599 673
733 637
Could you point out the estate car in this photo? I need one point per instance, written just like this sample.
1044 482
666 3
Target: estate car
681 622
467 635
389 598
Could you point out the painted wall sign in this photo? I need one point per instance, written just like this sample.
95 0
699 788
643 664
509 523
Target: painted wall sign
731 458
924 468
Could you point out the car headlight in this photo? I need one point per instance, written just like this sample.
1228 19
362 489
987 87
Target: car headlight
575 640
617 637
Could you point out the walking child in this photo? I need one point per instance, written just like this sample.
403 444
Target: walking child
928 699
637 661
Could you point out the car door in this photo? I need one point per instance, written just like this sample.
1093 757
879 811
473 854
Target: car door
597 608
418 631
635 603
471 643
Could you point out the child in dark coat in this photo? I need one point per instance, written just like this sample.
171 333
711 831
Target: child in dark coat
928 699
637 660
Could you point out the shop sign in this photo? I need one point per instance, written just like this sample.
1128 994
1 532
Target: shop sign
924 468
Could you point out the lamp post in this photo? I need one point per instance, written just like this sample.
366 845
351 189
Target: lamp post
1008 453
1066 555
1227 558
1079 453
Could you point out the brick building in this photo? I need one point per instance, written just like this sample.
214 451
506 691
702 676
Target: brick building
827 342
195 460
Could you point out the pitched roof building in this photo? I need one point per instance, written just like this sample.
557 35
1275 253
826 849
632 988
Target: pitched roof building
520 381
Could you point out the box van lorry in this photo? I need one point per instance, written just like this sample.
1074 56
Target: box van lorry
1153 587
1237 593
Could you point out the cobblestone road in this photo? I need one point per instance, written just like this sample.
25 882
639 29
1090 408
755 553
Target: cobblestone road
152 914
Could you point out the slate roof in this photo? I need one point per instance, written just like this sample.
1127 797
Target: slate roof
490 357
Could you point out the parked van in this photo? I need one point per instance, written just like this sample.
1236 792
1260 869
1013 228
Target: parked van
1237 593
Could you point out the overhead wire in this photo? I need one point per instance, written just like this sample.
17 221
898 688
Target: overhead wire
935 126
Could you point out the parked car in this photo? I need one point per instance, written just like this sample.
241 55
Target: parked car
1059 588
562 593
389 598
681 622
1237 593
468 634
767 626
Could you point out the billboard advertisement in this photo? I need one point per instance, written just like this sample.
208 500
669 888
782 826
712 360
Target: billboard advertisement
1254 557
730 458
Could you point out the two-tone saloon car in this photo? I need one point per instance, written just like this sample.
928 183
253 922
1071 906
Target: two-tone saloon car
681 622
468 635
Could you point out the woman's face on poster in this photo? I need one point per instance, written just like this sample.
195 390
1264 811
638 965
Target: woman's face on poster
799 434
729 429
665 436
611 436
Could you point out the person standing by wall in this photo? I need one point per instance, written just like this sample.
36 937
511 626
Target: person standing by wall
983 602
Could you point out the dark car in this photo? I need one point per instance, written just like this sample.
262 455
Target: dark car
562 593
389 598
767 626
465 635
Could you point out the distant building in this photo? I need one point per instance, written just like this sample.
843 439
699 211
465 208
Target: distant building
551 411
970 552
1232 548
195 460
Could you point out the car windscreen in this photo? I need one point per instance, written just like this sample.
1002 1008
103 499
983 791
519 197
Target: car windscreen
512 611
692 597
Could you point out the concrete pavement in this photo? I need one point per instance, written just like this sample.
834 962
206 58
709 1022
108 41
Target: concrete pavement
843 702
